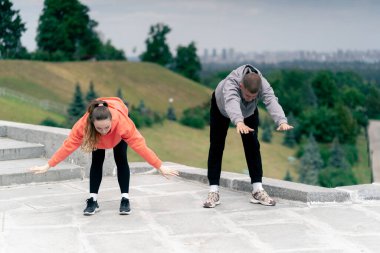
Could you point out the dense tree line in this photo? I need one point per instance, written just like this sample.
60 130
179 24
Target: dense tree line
65 32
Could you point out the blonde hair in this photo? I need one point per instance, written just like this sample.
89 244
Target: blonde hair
97 110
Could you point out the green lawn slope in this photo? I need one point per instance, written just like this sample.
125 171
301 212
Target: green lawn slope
12 109
150 82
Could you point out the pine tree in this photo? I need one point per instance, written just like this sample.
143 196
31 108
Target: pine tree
289 137
119 94
311 163
11 29
170 115
310 97
91 93
142 108
337 157
77 107
288 177
267 132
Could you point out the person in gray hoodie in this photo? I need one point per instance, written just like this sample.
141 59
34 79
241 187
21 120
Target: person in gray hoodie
235 100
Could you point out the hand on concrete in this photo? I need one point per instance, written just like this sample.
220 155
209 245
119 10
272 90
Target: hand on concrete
166 172
242 128
284 127
40 169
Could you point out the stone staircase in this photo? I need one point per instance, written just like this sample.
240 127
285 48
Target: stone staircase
16 157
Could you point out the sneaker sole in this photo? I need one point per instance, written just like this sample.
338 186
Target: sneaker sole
213 206
89 214
255 201
125 213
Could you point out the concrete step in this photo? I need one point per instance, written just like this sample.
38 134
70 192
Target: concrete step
13 172
12 149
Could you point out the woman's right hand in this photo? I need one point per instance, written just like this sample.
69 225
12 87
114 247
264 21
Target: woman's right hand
166 171
40 169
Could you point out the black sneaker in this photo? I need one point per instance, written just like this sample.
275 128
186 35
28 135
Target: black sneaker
124 206
91 206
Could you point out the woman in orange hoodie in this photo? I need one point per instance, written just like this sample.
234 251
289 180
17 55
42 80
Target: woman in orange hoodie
106 125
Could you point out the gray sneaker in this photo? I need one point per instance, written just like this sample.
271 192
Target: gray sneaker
262 197
212 200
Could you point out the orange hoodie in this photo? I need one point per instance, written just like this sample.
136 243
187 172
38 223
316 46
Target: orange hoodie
122 128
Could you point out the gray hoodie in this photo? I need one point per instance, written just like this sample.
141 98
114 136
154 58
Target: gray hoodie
232 105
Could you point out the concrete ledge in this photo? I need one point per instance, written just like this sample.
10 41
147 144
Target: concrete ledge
15 172
52 138
3 131
140 167
22 152
363 191
276 188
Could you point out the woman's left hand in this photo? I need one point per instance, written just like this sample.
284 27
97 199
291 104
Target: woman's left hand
166 172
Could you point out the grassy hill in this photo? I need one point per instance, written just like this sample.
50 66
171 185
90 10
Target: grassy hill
150 82
15 110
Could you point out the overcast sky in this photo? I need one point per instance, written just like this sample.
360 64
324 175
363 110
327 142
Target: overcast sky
245 25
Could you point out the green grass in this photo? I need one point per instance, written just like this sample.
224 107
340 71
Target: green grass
362 170
15 110
138 80
176 143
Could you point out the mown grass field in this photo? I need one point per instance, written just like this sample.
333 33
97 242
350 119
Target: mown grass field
15 110
150 82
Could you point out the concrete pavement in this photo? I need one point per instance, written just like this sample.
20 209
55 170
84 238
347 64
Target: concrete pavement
167 216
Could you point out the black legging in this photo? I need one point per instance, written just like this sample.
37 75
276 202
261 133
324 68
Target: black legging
96 171
218 131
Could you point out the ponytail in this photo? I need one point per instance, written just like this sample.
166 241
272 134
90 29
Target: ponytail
97 110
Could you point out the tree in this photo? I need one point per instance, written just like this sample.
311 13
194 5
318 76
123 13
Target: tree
373 102
288 177
289 137
66 32
309 96
170 115
334 177
157 50
325 88
267 132
347 126
187 62
11 29
91 94
311 163
119 94
337 156
109 52
77 107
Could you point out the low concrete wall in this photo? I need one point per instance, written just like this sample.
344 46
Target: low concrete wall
52 138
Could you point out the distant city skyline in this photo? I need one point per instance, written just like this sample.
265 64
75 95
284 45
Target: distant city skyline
244 25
